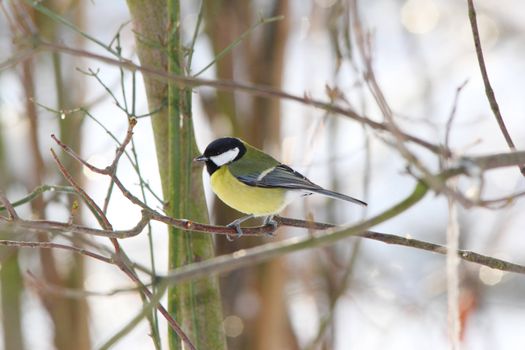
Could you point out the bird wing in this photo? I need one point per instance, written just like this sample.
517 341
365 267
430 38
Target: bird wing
282 176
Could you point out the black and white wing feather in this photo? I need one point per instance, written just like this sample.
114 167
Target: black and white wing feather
282 176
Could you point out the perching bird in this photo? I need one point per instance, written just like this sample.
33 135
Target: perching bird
253 182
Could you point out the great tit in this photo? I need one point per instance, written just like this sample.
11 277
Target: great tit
253 182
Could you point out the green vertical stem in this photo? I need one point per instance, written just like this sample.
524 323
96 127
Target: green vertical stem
195 305
10 276
11 282
176 206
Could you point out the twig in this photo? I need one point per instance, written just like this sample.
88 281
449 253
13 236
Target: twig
111 169
452 265
503 202
120 150
147 308
121 260
466 255
154 322
363 45
59 19
38 191
252 256
11 213
50 245
238 40
270 250
452 114
465 165
489 92
132 162
257 90
484 163
55 226
95 209
73 293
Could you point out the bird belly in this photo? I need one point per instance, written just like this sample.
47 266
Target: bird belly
247 199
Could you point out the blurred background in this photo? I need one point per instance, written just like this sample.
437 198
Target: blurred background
358 294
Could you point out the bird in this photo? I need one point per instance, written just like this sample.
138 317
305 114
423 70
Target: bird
254 183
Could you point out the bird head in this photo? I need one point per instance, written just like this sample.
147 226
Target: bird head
221 152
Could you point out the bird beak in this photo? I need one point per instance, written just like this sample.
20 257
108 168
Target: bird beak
200 159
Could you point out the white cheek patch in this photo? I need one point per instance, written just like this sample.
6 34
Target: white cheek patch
226 157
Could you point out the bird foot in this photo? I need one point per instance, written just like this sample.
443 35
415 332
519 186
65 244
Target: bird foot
236 224
270 221
237 227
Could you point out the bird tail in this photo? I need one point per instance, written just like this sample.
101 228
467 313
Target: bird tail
339 196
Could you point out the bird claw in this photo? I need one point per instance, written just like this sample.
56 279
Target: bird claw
236 224
270 221
237 227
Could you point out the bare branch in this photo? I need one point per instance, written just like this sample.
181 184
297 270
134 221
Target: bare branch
257 90
73 293
466 255
121 259
50 245
248 257
466 165
63 227
491 97
99 214
271 250
11 213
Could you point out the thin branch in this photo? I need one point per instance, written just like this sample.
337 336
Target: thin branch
50 245
489 92
121 260
38 191
59 19
452 268
466 255
257 90
466 165
252 256
238 40
147 308
501 202
11 213
62 227
270 250
73 293
95 209
452 114
111 169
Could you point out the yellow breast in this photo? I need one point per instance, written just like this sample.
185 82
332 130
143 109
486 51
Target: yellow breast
247 199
